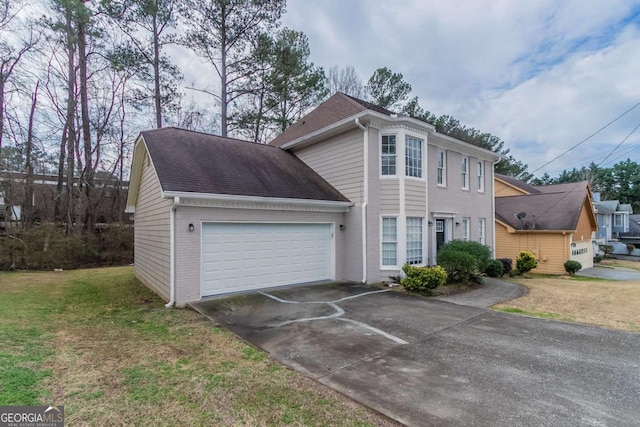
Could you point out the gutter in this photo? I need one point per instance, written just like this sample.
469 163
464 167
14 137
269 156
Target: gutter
172 253
365 198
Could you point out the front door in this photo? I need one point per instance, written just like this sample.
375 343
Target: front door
440 233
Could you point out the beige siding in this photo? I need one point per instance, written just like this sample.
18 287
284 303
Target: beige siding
586 225
339 160
188 245
551 249
151 241
389 196
415 197
504 190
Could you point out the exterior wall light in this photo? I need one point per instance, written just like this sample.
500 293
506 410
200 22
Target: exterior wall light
191 227
341 227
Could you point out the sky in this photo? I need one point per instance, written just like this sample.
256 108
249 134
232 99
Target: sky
542 75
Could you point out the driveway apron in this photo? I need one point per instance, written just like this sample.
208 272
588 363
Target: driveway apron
427 362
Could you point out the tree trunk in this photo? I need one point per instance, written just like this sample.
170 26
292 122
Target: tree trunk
2 84
70 124
156 71
87 174
28 169
223 71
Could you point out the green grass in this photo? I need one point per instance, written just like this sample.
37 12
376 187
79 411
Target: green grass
103 345
542 314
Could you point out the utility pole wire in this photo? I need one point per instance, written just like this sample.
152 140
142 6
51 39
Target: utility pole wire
588 138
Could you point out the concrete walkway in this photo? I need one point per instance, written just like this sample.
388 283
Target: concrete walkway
493 291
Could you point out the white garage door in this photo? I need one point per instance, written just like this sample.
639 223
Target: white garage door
240 257
583 253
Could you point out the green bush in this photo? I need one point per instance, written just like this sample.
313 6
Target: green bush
572 267
423 279
597 259
480 252
494 269
607 249
460 266
526 261
507 265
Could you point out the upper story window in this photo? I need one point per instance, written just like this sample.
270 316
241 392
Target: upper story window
466 229
464 166
481 230
442 168
388 155
389 241
413 157
481 176
617 220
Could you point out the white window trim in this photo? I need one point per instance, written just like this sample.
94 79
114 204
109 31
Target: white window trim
466 229
422 240
482 231
423 146
444 167
481 175
615 222
396 156
382 242
464 170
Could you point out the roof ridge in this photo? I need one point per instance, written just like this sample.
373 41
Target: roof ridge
209 134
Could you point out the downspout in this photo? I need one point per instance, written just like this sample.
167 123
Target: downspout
493 202
365 199
172 253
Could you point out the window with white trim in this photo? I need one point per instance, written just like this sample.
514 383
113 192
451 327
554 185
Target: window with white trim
413 157
481 230
617 220
442 168
464 167
414 240
481 176
466 229
389 241
388 156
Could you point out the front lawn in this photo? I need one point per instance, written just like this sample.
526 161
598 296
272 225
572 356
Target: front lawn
600 302
104 346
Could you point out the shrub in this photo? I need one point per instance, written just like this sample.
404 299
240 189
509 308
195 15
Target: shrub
507 265
597 259
480 252
607 249
494 269
525 262
630 248
460 266
423 279
572 267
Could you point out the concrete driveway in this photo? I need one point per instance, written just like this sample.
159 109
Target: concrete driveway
428 362
613 273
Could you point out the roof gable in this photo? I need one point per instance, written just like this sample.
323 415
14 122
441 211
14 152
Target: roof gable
193 162
338 107
521 186
556 209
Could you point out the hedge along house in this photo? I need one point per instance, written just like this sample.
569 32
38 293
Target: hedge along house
216 215
350 192
556 223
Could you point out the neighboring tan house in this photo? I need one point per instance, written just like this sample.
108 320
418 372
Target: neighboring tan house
554 222
350 192
613 218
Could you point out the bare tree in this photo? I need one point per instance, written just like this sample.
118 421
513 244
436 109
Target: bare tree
345 80
28 166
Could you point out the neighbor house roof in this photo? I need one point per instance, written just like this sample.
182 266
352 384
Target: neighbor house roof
529 189
625 208
193 162
607 206
557 208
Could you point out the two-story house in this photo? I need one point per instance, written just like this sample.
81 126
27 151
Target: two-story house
350 192
613 218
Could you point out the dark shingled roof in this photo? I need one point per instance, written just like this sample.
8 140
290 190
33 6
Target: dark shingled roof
518 184
338 107
554 209
193 162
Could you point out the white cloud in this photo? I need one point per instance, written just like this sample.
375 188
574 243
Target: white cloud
541 75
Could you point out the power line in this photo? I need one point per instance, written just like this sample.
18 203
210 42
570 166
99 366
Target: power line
587 138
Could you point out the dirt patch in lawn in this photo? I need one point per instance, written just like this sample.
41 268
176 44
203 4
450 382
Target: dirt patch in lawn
612 304
101 344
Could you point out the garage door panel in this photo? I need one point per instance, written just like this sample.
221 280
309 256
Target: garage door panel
237 257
